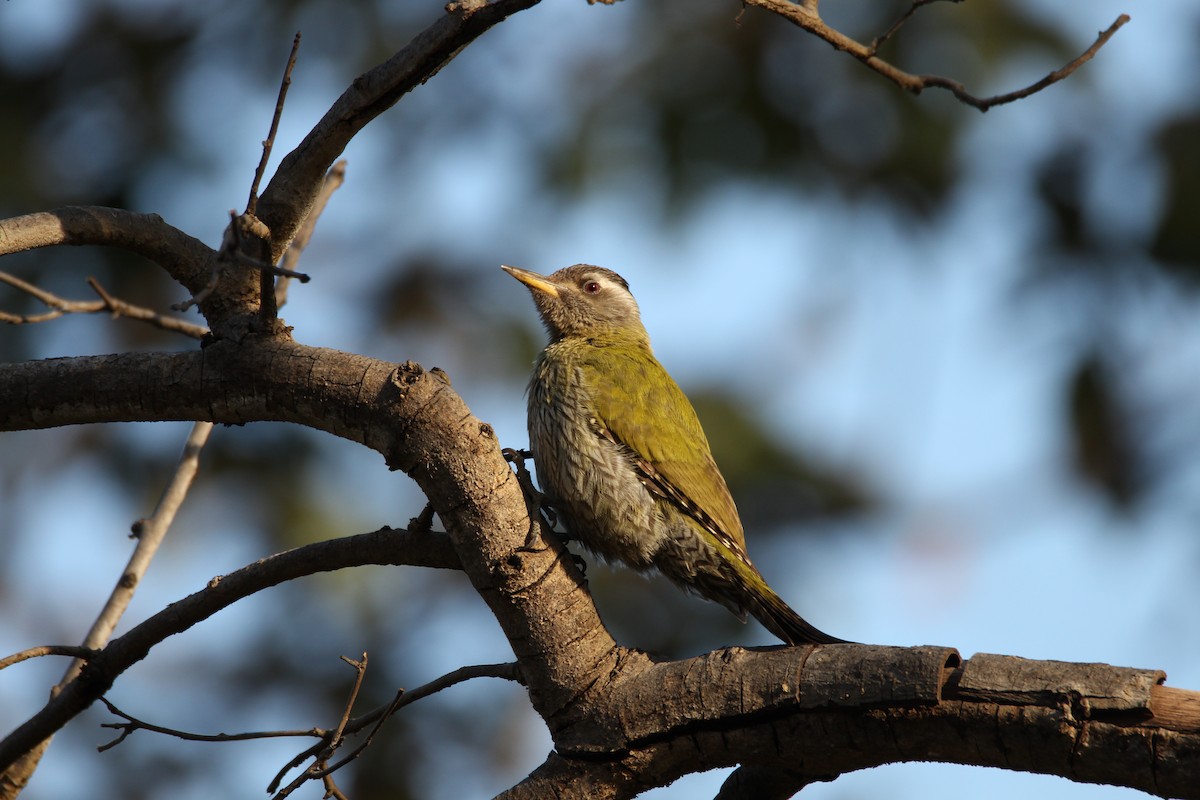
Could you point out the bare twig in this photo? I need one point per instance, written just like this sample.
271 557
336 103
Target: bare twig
507 671
118 308
57 305
150 533
806 17
333 179
329 740
1033 88
73 651
360 669
214 278
916 5
331 789
269 142
132 724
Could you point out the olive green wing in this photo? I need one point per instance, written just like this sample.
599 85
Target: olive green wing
640 406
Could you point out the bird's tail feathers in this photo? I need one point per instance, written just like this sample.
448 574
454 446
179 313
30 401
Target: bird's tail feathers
779 618
769 608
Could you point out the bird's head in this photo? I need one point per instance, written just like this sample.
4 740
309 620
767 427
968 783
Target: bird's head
583 301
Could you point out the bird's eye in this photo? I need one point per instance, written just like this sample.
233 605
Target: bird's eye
591 287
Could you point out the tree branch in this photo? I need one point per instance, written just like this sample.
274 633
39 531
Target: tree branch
319 769
806 17
817 713
386 546
412 417
269 143
184 258
132 724
908 14
74 651
761 783
290 194
150 533
118 308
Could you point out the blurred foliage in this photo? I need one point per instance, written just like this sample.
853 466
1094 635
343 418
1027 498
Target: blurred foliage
771 483
1105 451
1177 237
696 95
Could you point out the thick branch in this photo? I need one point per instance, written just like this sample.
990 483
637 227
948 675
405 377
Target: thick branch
182 256
761 783
288 197
411 417
618 719
574 779
797 715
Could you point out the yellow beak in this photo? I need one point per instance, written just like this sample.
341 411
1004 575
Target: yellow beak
532 280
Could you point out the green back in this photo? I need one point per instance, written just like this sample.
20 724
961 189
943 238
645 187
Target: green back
642 406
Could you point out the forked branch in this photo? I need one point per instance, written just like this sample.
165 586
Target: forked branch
58 306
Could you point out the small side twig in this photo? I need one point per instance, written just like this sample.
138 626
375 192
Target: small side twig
60 306
320 768
913 8
73 651
132 724
376 718
360 669
424 521
269 142
149 533
199 297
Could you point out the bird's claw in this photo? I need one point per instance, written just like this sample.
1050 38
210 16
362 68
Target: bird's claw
542 516
539 512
